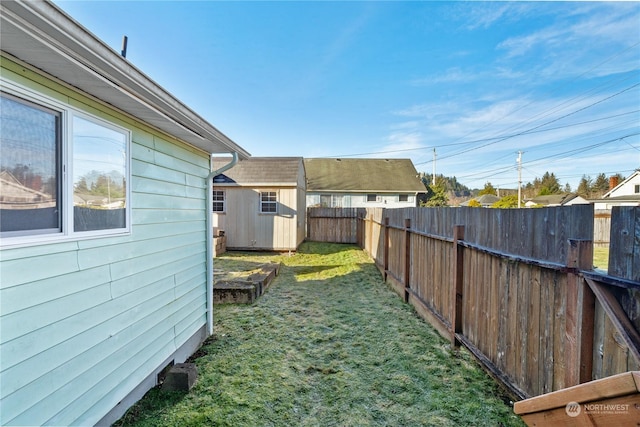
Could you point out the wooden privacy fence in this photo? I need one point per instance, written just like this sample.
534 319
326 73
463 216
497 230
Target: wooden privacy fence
601 227
514 286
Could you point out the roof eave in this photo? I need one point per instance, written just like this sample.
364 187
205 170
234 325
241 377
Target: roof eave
42 35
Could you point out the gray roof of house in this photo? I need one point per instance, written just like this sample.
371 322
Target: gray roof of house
627 197
484 200
261 170
362 175
553 199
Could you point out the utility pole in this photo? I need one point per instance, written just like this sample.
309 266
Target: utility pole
433 178
519 160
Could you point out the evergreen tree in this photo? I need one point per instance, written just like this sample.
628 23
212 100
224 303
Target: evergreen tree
507 202
488 189
584 187
600 186
437 194
549 184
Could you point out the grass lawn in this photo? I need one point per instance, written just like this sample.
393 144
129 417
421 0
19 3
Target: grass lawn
601 258
329 344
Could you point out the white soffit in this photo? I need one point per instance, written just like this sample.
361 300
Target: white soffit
43 36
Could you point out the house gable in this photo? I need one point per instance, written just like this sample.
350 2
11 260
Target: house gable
628 187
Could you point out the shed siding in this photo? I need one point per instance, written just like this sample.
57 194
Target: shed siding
251 229
84 322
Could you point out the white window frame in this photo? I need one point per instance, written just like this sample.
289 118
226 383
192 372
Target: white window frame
400 196
223 201
377 198
67 113
263 203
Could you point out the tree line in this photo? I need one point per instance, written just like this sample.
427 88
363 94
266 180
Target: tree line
448 189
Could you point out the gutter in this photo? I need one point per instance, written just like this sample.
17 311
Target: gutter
209 225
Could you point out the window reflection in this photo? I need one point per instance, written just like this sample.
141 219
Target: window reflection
29 171
99 171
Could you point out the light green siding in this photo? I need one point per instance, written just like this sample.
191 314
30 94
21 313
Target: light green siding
84 322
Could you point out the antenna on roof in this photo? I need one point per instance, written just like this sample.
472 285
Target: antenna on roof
124 46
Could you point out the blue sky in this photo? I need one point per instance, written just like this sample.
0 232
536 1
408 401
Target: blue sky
477 81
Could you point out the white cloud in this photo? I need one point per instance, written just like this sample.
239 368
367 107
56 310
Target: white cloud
452 75
595 35
485 15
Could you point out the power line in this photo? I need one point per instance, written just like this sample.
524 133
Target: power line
539 126
560 156
610 58
485 139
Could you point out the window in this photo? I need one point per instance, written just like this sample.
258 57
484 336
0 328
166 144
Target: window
218 200
403 198
30 178
268 202
637 189
99 171
372 198
58 185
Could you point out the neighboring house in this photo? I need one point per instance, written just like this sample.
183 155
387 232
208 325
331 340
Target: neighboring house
105 231
357 183
486 200
563 199
628 187
260 204
625 193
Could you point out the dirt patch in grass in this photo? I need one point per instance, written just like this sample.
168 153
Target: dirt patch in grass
329 344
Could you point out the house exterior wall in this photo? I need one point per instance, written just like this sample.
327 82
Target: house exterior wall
301 205
246 228
628 188
359 200
85 322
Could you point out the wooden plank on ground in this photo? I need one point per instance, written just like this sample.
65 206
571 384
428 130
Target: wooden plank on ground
617 411
613 386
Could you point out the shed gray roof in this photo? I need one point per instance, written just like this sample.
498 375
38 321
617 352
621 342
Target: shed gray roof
362 175
261 170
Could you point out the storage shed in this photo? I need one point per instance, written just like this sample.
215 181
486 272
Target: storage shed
260 204
105 240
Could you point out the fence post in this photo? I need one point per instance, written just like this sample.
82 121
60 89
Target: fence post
386 248
407 258
580 312
456 298
359 229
